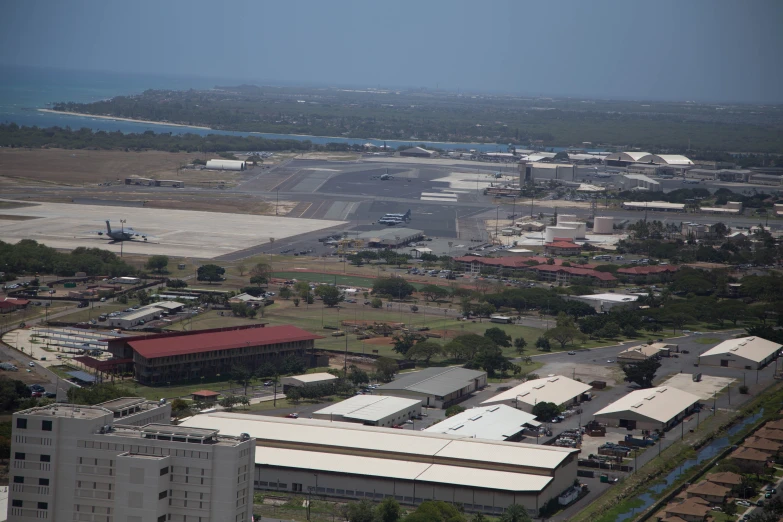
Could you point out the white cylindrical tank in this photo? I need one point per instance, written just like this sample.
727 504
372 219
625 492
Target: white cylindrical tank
603 225
562 218
559 232
581 228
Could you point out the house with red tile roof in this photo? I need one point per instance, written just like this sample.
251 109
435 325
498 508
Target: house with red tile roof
562 247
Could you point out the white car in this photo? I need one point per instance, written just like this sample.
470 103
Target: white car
31 364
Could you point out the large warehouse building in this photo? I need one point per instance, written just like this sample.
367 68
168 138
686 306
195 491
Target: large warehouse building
436 387
353 462
557 389
498 422
177 356
650 409
747 353
372 410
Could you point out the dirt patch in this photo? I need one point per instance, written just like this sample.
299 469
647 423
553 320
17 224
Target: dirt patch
380 341
584 372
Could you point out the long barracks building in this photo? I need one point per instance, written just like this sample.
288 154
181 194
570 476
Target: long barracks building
172 357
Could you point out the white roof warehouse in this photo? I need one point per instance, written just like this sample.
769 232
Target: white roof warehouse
648 409
498 422
556 389
748 353
350 461
371 410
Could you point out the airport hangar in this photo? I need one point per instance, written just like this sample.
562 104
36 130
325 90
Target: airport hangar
353 462
747 353
649 409
436 387
556 389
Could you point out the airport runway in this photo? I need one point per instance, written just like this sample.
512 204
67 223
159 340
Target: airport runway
446 201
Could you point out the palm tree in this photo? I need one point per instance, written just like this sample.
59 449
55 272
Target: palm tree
515 513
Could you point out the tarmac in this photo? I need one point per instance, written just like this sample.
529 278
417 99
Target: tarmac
179 233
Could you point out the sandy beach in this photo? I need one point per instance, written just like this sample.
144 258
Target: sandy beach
116 118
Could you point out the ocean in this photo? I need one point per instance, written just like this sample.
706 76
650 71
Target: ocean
23 90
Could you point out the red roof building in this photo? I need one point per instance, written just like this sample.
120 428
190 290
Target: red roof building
564 274
642 273
475 264
12 303
564 247
178 356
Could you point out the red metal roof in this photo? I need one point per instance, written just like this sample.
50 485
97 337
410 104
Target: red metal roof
205 393
647 270
563 244
226 340
514 262
586 272
97 364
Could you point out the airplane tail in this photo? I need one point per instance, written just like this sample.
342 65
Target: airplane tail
108 226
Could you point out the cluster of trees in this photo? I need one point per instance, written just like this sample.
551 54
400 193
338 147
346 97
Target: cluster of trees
12 135
655 239
14 394
243 310
210 273
95 394
392 287
390 257
389 510
30 257
318 391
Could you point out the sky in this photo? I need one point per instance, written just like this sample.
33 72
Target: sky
700 50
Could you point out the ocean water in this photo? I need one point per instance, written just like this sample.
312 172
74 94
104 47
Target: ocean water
23 90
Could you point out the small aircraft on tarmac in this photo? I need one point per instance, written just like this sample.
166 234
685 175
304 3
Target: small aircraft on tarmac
123 234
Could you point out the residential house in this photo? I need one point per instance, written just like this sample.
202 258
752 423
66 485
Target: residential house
709 491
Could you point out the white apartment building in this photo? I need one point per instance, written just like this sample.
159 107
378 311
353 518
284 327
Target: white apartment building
90 464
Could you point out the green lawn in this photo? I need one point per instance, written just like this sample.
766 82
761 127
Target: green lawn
708 340
347 280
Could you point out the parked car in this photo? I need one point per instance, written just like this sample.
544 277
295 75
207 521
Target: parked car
31 364
293 416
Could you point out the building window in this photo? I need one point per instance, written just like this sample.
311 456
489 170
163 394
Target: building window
18 480
19 456
164 471
46 425
43 482
162 518
43 505
163 494
46 458
16 503
21 424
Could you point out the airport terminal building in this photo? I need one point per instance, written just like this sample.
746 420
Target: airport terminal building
352 462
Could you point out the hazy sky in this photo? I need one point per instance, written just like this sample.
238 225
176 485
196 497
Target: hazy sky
706 50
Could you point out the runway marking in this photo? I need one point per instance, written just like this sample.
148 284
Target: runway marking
286 179
440 200
305 210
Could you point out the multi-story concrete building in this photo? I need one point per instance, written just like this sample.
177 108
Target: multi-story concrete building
80 463
176 356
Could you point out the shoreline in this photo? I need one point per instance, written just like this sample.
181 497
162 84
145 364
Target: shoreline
263 134
117 118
